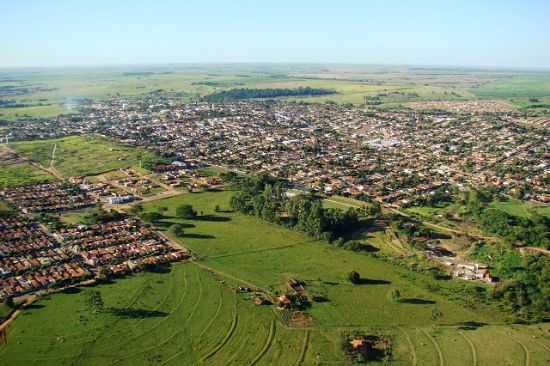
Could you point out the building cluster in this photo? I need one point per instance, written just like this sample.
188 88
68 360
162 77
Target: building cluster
33 258
112 243
49 197
395 157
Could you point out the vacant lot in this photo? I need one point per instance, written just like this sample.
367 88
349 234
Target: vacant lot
20 174
83 155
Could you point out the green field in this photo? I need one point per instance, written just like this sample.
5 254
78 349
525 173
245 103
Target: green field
52 92
83 155
521 209
188 317
192 315
537 85
20 174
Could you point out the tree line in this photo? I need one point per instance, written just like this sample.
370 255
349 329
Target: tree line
265 197
246 93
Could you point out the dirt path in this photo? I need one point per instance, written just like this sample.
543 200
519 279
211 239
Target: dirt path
472 347
436 346
224 274
411 346
304 348
267 345
227 337
527 354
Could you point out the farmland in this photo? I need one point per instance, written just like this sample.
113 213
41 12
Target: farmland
82 155
19 174
52 93
192 315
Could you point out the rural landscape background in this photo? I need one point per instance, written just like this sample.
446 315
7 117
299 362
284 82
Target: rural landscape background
184 183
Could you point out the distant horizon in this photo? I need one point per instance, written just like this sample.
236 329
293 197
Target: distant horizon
509 34
208 64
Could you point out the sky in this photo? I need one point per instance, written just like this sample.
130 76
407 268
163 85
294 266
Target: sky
495 33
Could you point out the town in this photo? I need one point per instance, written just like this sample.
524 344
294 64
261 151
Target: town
394 157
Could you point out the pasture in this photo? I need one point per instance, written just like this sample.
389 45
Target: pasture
53 92
21 174
82 155
191 314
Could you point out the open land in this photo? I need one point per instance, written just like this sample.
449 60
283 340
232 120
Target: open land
145 306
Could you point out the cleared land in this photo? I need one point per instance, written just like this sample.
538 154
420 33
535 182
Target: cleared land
20 174
82 155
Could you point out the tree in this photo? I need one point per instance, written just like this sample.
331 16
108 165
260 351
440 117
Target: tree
217 208
354 277
436 313
395 295
177 230
152 217
186 212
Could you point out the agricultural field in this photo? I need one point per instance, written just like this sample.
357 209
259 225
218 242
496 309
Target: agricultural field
52 92
190 313
20 174
82 155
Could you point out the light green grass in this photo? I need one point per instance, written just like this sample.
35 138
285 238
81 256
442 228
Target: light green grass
20 174
267 254
83 155
521 209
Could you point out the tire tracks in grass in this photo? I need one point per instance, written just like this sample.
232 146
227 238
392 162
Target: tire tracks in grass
527 354
86 349
472 347
267 345
214 318
303 350
411 346
436 346
175 355
156 308
93 339
227 337
145 350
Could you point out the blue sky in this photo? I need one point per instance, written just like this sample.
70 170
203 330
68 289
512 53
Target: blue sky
505 33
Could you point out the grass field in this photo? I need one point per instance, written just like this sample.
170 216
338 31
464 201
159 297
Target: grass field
52 92
193 316
83 155
229 243
521 209
20 174
188 317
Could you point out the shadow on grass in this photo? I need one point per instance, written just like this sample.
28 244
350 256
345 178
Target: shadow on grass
371 281
214 218
34 306
129 313
72 290
471 325
198 236
158 268
416 301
